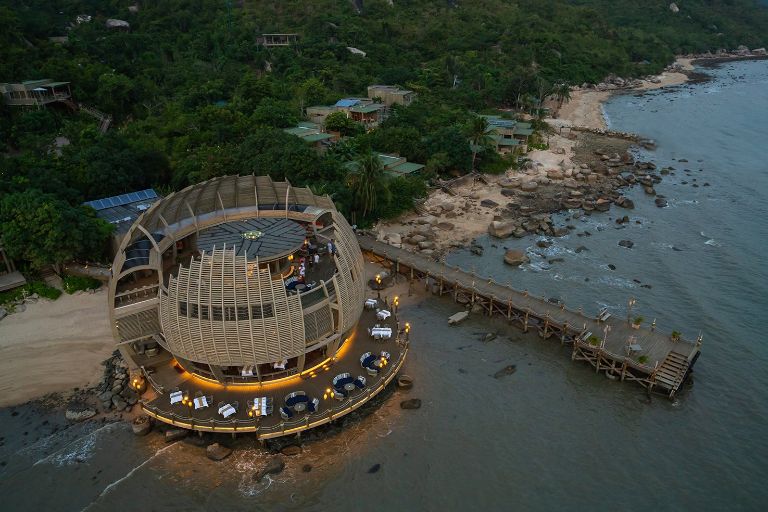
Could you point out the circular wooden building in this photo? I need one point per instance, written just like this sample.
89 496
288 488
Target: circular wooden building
237 280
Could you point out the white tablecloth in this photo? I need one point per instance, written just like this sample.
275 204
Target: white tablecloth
383 314
176 397
200 402
227 411
381 332
261 405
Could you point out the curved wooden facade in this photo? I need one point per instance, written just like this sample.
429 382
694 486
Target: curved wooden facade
222 311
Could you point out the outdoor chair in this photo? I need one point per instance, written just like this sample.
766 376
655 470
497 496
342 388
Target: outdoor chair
313 405
286 413
338 395
372 372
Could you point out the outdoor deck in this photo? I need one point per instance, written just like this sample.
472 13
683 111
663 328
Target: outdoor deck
647 356
165 377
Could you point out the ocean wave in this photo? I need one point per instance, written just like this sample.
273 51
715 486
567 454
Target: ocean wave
712 242
75 451
130 473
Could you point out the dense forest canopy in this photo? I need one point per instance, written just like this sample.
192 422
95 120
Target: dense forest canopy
194 95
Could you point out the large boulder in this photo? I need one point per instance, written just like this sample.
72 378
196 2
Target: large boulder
515 257
141 425
500 229
510 182
489 203
217 452
529 186
555 174
426 245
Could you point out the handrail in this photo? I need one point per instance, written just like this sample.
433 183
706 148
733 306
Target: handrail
474 282
329 414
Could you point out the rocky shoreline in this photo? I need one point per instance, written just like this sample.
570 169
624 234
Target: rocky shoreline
602 166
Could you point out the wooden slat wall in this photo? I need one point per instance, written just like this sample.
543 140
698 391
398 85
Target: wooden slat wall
228 281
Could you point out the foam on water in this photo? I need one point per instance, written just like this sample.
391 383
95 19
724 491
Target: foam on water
75 451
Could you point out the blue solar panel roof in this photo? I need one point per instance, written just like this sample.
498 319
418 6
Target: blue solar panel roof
131 197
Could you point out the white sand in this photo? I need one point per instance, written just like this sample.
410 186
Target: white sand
54 346
585 107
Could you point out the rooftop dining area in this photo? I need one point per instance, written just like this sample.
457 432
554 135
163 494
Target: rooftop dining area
364 364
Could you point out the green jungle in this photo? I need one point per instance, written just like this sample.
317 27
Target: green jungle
193 94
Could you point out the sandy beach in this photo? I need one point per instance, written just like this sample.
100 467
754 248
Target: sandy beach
53 346
585 109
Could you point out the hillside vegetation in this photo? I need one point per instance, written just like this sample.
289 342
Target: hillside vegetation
193 95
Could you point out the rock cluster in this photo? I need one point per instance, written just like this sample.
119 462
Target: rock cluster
113 390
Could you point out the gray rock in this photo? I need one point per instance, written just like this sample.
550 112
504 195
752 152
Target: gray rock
175 434
489 337
274 466
500 229
529 186
141 425
3 313
118 402
489 203
515 257
626 243
426 244
411 403
217 452
105 396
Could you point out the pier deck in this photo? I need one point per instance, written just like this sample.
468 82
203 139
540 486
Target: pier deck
647 356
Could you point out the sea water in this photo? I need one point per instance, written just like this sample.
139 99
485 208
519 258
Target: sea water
554 435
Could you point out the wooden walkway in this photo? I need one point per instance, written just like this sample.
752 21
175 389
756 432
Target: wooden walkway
646 356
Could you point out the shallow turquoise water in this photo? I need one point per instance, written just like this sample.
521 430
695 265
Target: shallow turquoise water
554 435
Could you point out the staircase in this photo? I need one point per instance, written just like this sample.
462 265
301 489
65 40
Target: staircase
104 119
672 372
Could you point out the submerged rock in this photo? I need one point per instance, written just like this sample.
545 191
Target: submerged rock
507 370
411 403
274 466
291 450
375 468
626 243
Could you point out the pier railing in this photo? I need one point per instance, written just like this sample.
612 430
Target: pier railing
661 361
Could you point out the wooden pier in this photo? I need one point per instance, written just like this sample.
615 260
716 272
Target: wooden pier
611 345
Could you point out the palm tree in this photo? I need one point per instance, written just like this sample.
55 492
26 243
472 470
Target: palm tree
562 92
479 136
368 183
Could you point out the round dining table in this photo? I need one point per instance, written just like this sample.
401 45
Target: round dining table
300 406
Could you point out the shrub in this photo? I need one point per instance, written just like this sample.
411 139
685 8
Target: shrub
638 320
642 359
593 340
38 287
76 283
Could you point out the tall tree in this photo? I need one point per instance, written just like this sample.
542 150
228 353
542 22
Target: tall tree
41 229
368 184
479 136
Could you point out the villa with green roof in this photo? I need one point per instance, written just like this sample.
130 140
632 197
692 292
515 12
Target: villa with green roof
312 134
394 165
508 135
